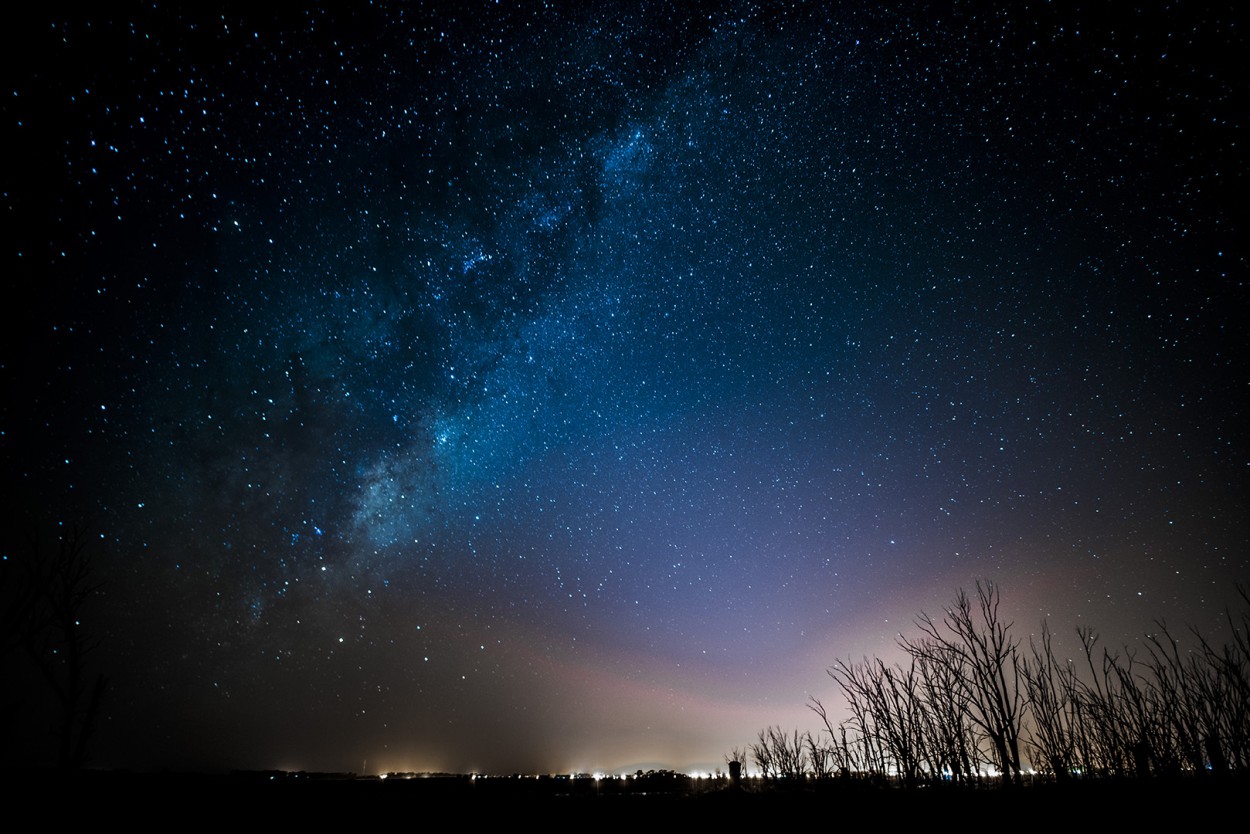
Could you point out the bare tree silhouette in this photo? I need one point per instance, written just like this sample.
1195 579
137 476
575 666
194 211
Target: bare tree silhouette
60 583
975 642
1054 703
780 755
970 698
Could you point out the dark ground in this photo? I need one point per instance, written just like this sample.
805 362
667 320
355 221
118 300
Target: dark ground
175 799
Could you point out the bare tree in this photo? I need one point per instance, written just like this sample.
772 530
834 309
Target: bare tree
762 755
780 755
858 739
819 756
59 644
1054 706
1228 689
968 698
975 642
953 741
845 751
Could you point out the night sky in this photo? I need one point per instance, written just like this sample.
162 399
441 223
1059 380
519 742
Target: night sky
456 386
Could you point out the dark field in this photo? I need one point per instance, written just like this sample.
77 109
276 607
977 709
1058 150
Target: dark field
290 799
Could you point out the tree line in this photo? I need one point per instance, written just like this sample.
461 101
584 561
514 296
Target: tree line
970 703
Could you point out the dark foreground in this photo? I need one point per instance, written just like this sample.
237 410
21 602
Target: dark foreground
287 799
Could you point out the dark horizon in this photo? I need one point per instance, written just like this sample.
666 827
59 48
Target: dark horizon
565 389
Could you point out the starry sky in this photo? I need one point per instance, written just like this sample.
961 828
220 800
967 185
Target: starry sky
564 386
